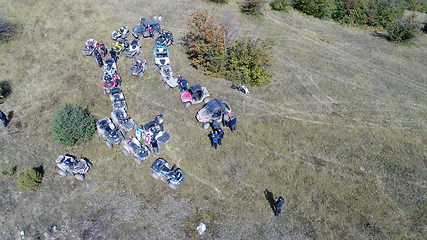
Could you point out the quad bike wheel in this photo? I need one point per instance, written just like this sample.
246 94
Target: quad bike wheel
141 74
187 104
206 100
126 152
110 145
62 172
89 164
79 176
155 175
205 126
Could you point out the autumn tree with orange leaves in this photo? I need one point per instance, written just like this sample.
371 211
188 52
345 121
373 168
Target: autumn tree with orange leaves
205 42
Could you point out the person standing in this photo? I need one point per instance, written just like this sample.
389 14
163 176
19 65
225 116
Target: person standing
278 205
154 145
214 140
183 84
220 136
113 54
159 121
232 123
3 118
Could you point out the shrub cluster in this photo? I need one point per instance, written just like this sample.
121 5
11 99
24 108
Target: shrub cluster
252 7
281 5
72 125
402 30
29 179
8 172
244 61
5 90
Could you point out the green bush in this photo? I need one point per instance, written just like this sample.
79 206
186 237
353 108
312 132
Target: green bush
247 62
29 180
281 5
414 5
72 125
317 8
402 30
8 172
252 7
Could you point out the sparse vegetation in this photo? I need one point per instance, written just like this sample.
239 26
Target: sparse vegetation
219 1
281 5
72 125
247 62
8 172
7 29
402 30
252 7
29 180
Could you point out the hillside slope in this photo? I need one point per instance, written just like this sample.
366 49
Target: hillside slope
339 132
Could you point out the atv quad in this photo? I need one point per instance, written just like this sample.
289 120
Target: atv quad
118 99
121 118
70 165
110 67
121 33
195 94
166 75
138 68
134 49
133 147
165 38
161 56
214 110
108 131
90 46
172 175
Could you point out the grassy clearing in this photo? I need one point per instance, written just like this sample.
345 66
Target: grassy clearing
340 132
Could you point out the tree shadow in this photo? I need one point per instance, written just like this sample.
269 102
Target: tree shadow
5 89
10 116
384 35
40 169
269 197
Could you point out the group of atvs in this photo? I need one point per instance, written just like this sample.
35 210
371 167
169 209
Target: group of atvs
114 129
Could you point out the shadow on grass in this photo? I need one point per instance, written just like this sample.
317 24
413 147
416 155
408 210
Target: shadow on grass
40 169
269 197
383 35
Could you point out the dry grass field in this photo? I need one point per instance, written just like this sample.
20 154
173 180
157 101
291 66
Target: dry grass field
340 132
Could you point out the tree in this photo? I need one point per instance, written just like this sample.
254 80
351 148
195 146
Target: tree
247 62
72 125
29 180
205 41
252 7
281 5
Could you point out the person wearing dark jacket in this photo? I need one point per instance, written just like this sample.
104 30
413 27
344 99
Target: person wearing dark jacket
232 123
215 126
3 119
183 84
278 205
113 54
220 136
214 140
154 145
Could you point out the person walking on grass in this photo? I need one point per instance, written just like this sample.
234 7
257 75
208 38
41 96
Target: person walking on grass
3 118
232 123
278 205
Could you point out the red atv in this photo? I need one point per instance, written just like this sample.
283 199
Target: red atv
195 94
